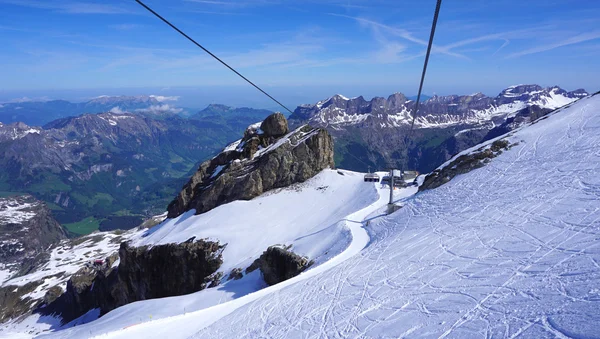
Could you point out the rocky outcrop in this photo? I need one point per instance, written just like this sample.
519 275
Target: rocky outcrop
27 229
278 264
143 273
267 157
464 164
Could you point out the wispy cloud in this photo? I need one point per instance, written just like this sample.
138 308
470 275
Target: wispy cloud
403 34
71 7
548 47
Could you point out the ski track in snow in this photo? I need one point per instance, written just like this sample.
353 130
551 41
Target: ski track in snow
155 318
509 250
163 327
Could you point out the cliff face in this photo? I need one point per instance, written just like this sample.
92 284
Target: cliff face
143 273
269 156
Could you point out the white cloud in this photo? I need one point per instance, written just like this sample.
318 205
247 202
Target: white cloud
160 109
116 110
161 98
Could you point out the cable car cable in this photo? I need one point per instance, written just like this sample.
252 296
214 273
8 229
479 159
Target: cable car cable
429 45
211 54
433 25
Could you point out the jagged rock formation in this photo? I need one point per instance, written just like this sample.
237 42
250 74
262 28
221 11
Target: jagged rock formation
143 273
278 264
267 157
373 133
27 229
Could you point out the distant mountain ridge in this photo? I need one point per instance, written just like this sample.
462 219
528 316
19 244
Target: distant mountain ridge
41 112
437 111
372 133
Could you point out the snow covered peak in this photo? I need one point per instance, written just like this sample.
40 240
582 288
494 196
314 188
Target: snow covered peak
17 131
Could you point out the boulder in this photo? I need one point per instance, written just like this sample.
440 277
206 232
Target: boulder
278 264
275 125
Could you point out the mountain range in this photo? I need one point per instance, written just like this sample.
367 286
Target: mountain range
111 170
375 132
266 241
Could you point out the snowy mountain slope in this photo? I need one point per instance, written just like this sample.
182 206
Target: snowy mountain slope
507 250
277 217
322 219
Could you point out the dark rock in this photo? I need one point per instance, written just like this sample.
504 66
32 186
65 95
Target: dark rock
235 274
277 264
143 273
212 280
254 266
275 125
242 175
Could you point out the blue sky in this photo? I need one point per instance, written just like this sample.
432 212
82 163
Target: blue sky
301 51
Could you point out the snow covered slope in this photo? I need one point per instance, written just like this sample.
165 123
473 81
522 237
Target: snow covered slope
510 249
320 218
507 250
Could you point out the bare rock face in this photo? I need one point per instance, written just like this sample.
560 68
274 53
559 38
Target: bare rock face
267 157
278 264
143 273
